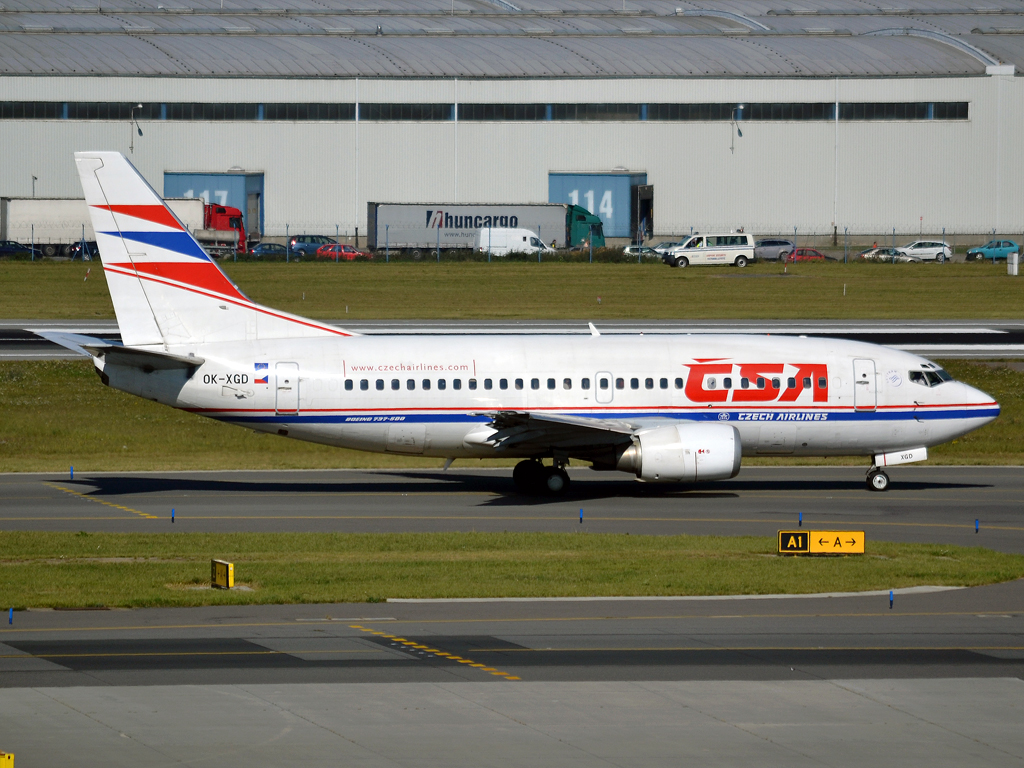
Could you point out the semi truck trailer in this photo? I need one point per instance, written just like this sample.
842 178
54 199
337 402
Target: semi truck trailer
56 225
422 228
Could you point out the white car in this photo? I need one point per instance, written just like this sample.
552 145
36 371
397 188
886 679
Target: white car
927 250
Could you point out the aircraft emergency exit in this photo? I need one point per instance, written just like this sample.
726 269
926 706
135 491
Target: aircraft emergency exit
666 408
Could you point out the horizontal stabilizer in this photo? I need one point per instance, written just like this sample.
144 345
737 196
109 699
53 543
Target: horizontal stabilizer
118 354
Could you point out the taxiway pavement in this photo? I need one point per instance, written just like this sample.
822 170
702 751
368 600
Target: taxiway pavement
924 504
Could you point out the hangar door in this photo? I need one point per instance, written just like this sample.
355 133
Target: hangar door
622 199
243 191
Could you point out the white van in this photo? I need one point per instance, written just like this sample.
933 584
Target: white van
729 249
500 241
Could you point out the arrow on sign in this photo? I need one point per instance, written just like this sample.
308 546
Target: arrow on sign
852 542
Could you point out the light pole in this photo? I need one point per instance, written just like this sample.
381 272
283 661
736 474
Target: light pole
735 128
132 123
34 180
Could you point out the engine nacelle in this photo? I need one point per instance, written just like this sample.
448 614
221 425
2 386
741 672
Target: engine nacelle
684 453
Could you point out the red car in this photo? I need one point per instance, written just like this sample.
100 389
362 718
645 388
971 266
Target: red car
337 251
805 254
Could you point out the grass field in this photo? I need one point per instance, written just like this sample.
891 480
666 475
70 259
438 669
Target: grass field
138 570
57 413
559 291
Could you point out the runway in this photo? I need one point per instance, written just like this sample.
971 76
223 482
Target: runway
983 339
935 681
924 504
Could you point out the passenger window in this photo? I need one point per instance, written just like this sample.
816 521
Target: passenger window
648 383
396 384
364 384
441 384
472 383
503 384
760 382
426 383
726 383
380 384
534 383
663 383
410 384
791 383
488 384
807 382
519 383
776 384
620 383
551 383
634 383
744 383
566 383
585 384
456 383
348 385
822 382
679 383
711 384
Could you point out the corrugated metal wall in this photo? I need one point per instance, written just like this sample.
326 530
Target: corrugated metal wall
964 176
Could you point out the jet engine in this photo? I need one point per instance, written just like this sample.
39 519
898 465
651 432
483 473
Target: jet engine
684 453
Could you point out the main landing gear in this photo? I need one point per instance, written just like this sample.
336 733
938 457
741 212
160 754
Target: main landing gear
533 478
877 480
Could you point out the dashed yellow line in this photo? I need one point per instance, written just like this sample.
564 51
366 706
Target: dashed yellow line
81 495
436 652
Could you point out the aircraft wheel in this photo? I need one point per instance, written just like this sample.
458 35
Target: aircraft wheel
878 481
556 481
529 476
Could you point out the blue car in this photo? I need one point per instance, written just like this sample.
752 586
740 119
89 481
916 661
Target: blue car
993 250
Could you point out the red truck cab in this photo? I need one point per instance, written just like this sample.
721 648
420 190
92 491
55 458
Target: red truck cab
224 218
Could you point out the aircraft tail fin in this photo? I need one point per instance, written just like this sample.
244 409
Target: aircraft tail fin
165 288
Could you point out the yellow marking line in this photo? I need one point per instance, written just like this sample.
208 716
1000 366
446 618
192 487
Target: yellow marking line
436 652
101 501
663 617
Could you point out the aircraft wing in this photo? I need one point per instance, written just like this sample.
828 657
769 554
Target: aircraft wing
118 354
542 432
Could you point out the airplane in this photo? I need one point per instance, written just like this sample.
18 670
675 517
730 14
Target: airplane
679 408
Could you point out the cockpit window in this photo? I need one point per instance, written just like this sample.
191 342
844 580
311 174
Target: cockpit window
929 378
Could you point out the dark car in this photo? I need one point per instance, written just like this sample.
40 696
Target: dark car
773 249
14 248
805 254
90 251
269 249
307 245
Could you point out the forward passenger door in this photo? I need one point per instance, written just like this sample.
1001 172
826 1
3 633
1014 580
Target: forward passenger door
865 396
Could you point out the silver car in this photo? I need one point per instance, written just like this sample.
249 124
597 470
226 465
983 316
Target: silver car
773 250
667 246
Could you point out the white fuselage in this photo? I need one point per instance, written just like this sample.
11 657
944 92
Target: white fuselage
434 395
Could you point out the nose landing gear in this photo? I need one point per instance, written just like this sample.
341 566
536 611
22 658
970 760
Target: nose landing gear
877 480
533 478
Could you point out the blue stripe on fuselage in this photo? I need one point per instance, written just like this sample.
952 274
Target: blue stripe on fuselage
733 417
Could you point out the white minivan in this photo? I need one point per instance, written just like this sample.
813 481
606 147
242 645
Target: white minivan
727 249
500 241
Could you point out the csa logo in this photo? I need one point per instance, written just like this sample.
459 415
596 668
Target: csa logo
724 416
894 378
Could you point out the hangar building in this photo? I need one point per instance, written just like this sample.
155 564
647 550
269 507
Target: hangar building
764 114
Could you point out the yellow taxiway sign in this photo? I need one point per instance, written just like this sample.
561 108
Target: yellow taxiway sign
821 542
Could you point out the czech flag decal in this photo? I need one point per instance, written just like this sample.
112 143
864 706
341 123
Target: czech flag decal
261 379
